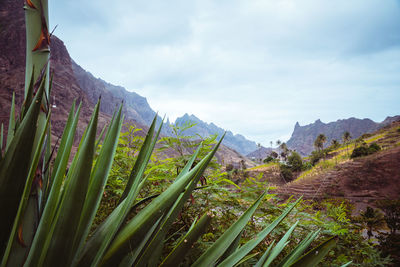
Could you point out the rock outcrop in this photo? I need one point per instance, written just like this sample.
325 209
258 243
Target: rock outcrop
303 137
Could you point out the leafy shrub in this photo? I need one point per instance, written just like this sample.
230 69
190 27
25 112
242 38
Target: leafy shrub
286 172
316 156
374 147
268 159
365 150
307 165
359 152
61 212
295 162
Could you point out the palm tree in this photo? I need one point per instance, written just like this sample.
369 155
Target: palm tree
284 149
346 138
278 143
335 143
319 142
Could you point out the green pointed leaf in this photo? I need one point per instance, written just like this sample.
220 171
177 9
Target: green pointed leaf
98 180
11 123
232 247
137 227
26 194
46 169
299 249
214 252
180 250
314 256
347 264
280 246
263 258
66 139
28 94
250 245
129 259
73 199
14 168
142 159
38 249
153 250
248 257
101 135
104 234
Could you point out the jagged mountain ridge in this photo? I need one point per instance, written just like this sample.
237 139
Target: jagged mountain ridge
135 107
237 142
303 137
70 82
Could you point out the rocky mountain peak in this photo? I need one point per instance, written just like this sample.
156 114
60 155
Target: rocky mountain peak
204 129
303 137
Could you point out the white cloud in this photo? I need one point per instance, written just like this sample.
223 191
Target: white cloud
253 67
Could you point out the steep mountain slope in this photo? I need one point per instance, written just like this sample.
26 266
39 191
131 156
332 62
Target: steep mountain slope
12 71
136 107
303 137
362 181
237 142
70 83
70 80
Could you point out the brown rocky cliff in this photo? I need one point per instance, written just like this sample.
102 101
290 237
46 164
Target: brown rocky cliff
303 137
65 88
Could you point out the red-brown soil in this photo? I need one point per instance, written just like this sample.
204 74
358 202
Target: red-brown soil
362 181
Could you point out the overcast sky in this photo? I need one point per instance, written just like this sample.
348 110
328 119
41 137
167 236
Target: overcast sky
254 67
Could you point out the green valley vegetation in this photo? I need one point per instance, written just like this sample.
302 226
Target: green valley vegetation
115 203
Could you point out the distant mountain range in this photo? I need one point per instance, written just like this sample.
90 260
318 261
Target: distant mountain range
237 142
303 137
71 82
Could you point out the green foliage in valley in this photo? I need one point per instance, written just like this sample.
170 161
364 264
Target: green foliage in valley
365 150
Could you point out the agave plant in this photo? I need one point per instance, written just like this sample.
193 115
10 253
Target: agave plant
48 208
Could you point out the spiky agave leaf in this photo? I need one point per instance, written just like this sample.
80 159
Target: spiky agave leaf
152 252
14 168
98 180
180 250
237 255
314 256
37 25
29 217
214 252
53 189
11 123
128 237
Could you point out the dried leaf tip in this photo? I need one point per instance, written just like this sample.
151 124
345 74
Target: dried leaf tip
30 4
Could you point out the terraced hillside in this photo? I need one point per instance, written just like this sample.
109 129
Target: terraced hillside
362 180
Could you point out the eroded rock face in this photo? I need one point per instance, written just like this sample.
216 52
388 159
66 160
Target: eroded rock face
135 108
65 88
303 137
70 82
